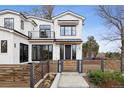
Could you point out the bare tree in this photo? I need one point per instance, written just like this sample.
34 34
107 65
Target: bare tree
113 17
36 11
47 11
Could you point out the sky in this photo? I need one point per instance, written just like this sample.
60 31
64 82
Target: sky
93 24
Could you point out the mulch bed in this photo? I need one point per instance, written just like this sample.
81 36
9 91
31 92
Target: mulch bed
47 82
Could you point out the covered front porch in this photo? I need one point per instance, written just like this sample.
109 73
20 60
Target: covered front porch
69 49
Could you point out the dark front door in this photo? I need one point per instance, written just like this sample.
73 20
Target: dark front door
67 51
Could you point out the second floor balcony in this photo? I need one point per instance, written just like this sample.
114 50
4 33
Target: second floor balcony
41 34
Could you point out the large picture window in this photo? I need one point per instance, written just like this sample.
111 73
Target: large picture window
3 46
9 23
68 30
23 52
42 52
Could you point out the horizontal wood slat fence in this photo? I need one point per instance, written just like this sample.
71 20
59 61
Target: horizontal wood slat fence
27 75
15 75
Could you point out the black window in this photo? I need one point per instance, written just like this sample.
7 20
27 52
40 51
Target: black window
3 46
42 52
23 52
73 51
45 31
61 51
68 30
22 24
9 23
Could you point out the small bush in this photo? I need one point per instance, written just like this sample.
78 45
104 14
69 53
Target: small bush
96 77
99 78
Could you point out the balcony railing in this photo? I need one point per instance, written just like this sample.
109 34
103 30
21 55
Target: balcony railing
41 34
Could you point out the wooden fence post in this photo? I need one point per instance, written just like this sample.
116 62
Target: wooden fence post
31 75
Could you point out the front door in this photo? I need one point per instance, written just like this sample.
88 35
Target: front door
67 51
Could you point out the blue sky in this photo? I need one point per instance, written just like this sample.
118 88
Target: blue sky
93 24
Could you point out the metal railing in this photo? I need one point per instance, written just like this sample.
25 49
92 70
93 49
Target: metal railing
41 34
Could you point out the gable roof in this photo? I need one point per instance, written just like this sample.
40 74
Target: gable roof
69 12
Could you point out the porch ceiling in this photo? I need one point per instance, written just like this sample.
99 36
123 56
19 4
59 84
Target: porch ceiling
68 41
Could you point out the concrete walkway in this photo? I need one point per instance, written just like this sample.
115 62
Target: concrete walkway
72 80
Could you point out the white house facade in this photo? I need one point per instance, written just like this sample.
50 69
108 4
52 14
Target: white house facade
29 38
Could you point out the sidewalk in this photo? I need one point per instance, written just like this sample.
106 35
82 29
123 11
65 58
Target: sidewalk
72 80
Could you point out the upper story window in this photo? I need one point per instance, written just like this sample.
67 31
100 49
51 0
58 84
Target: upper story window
45 31
22 24
68 30
44 27
9 23
3 46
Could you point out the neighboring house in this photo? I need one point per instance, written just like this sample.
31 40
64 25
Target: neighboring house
29 38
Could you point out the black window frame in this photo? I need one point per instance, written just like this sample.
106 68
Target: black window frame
8 27
24 52
2 50
46 32
22 24
71 30
50 55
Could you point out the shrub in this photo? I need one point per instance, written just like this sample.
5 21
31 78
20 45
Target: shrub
99 78
96 77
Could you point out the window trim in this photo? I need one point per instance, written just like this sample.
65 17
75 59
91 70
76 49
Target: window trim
9 18
6 46
71 30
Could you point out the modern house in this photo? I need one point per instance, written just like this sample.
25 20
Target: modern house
29 38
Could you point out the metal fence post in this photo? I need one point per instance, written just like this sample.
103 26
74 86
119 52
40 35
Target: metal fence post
81 66
102 65
62 65
58 66
42 70
77 65
31 75
48 65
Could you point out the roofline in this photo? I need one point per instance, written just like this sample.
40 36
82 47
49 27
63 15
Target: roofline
68 11
18 13
39 18
13 30
13 11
